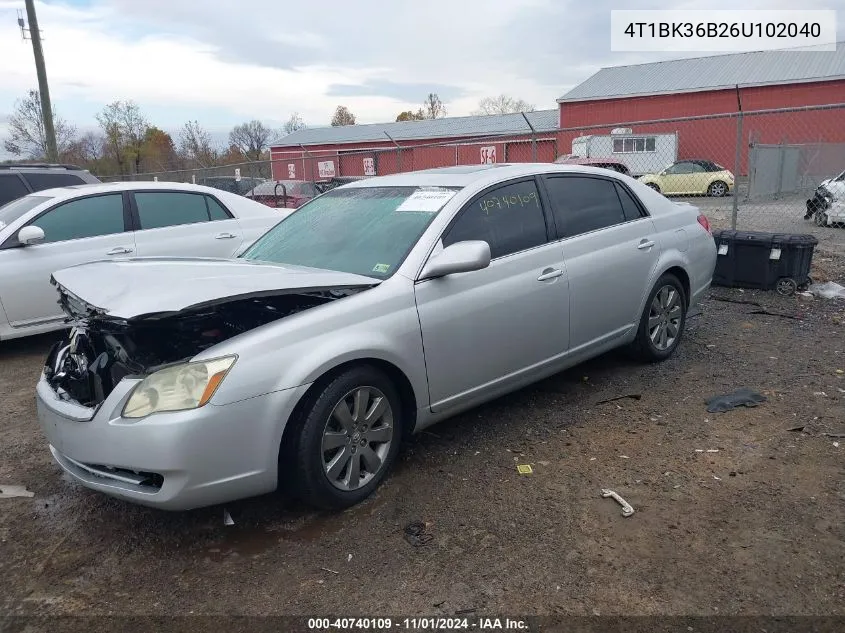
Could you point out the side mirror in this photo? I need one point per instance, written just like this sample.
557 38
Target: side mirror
30 235
462 257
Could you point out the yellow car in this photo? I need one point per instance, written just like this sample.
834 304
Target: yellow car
692 177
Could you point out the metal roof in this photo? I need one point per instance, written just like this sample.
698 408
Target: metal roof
484 125
712 73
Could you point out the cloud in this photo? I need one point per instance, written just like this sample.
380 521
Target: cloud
224 62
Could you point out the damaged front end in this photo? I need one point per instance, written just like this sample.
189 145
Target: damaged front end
102 350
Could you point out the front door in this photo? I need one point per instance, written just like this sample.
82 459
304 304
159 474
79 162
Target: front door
490 328
75 232
184 224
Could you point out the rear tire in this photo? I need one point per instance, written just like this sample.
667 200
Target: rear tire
662 322
346 439
820 218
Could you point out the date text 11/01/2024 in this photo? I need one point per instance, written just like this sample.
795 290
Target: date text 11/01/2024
417 624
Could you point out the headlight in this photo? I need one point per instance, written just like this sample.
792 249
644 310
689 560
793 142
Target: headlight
186 386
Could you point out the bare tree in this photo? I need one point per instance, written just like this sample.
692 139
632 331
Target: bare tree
342 116
26 130
503 104
251 138
410 115
195 144
294 123
433 107
84 150
125 129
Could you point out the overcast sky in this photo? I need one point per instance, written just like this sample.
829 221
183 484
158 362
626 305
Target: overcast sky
225 62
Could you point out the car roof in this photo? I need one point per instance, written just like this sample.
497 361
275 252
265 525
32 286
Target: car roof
466 175
72 191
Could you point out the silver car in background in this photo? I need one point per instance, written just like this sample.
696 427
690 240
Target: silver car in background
371 312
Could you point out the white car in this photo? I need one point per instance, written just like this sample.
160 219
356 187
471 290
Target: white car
56 228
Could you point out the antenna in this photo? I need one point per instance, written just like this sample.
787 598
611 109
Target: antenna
22 26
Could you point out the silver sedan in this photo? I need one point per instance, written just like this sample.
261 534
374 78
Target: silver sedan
372 312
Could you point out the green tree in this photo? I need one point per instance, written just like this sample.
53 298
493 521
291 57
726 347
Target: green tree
124 128
410 115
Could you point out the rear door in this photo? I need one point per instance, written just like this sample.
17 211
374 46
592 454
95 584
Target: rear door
183 224
75 232
610 248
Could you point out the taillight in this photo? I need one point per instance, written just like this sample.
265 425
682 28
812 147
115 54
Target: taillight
704 222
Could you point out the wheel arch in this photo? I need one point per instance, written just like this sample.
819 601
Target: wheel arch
399 379
681 274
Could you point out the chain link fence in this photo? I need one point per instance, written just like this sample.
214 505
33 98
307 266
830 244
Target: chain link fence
749 170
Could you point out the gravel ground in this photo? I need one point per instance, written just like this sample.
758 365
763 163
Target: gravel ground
755 528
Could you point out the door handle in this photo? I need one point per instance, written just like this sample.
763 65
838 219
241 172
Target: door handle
224 236
643 245
119 250
550 273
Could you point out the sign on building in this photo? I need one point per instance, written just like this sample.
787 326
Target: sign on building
369 167
292 171
488 155
326 169
237 174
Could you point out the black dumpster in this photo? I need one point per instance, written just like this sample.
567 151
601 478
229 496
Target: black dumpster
767 261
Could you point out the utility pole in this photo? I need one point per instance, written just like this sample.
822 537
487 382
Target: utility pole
43 89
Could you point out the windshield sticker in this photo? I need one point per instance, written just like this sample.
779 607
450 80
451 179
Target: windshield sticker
429 201
381 268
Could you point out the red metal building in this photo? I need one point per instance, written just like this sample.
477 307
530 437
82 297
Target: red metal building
389 148
713 87
660 97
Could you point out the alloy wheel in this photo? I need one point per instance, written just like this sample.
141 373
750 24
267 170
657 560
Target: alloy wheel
357 438
717 189
664 318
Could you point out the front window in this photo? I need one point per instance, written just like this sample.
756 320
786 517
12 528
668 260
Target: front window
366 231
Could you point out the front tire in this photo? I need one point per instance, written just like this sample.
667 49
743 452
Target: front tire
662 322
653 186
348 439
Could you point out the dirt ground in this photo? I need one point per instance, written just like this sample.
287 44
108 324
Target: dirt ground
755 528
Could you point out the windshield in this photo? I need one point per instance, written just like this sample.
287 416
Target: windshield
15 209
366 231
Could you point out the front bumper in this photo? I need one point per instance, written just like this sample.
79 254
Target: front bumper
175 460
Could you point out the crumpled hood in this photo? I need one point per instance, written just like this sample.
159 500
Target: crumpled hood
145 286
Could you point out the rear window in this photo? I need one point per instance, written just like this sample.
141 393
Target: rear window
11 188
18 208
39 182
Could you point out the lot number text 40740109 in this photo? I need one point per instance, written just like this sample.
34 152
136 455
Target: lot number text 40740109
418 624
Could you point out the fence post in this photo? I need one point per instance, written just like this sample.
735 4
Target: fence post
533 138
398 153
738 168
